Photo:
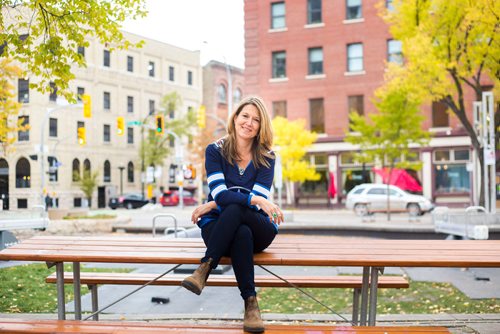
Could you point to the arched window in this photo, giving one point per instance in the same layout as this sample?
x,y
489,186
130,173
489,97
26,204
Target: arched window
x,y
53,166
23,173
237,95
76,170
130,172
221,94
4,183
107,171
86,167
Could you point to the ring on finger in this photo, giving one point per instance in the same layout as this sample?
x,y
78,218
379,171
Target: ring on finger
x,y
275,215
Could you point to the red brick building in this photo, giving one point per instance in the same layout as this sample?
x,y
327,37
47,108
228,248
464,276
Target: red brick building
x,y
319,60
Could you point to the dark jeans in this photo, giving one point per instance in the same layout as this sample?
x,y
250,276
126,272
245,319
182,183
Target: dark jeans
x,y
239,233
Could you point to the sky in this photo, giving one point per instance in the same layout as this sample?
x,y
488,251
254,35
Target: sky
x,y
215,27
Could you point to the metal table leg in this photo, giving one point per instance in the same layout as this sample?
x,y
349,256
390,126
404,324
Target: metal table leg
x,y
355,306
61,303
373,295
95,301
77,291
364,296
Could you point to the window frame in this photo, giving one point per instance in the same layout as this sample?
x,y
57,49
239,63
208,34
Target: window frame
x,y
349,10
106,58
351,58
311,65
53,127
311,12
106,102
319,128
130,64
106,133
278,64
275,18
23,90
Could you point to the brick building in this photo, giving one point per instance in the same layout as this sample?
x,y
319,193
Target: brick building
x,y
318,60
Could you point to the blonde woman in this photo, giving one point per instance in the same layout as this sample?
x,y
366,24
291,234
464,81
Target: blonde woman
x,y
239,219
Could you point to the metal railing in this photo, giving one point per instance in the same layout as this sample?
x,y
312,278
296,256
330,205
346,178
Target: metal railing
x,y
169,215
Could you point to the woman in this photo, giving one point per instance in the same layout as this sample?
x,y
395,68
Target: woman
x,y
239,220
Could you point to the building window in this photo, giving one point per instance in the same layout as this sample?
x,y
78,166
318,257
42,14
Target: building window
x,y
355,57
355,104
315,61
190,78
52,127
22,203
130,172
130,104
450,171
394,51
221,94
53,169
237,95
171,112
77,202
130,64
151,69
81,51
24,135
79,124
389,5
23,173
79,93
151,107
87,168
279,109
279,64
106,58
106,101
171,73
106,136
353,9
440,117
107,171
313,11
23,91
317,115
278,13
130,135
320,187
53,92
75,174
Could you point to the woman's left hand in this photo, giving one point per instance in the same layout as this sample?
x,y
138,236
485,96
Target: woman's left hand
x,y
201,210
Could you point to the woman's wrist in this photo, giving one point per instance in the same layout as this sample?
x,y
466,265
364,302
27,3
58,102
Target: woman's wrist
x,y
255,200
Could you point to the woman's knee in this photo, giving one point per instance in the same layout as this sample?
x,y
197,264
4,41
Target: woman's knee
x,y
243,233
234,211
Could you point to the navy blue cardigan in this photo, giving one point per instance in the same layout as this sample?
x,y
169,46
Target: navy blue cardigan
x,y
227,186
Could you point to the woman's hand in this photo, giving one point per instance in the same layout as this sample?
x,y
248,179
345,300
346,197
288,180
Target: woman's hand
x,y
201,210
273,211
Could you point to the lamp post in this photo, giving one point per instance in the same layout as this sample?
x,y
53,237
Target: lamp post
x,y
121,168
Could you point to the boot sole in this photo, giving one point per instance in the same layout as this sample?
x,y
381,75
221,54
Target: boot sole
x,y
253,329
191,287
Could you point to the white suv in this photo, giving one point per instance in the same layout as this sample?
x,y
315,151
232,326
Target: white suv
x,y
368,198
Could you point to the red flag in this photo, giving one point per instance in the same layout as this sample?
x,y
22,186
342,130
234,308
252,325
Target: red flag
x,y
332,191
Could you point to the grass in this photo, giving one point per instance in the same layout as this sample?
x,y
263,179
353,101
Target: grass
x,y
420,298
23,288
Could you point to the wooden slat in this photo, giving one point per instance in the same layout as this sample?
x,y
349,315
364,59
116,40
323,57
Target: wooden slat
x,y
91,327
229,280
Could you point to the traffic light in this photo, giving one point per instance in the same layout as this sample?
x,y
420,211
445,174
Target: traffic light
x,y
201,117
87,106
120,125
160,125
82,136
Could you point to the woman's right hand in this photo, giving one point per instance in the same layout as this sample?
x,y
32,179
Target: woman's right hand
x,y
201,210
272,210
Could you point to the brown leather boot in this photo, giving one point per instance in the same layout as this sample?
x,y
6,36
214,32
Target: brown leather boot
x,y
196,282
252,322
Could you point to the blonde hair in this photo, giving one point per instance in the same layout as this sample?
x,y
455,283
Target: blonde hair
x,y
262,143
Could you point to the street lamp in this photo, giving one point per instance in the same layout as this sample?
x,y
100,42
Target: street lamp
x,y
121,168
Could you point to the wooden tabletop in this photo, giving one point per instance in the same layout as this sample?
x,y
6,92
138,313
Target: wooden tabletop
x,y
285,250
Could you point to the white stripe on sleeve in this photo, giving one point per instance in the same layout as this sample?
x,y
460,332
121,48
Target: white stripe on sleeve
x,y
215,177
262,190
218,189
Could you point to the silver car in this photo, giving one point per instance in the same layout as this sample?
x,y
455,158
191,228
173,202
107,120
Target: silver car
x,y
368,198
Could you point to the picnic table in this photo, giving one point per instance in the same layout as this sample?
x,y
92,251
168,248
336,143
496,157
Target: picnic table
x,y
372,255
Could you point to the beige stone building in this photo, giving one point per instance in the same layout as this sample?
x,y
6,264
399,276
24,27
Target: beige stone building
x,y
128,83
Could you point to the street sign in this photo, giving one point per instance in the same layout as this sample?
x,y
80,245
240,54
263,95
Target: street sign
x,y
132,123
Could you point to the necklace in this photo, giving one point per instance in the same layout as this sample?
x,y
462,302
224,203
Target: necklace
x,y
241,171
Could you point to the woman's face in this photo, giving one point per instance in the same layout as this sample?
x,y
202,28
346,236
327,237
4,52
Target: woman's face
x,y
247,123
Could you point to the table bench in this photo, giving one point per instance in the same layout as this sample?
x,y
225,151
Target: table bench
x,y
122,327
370,254
92,279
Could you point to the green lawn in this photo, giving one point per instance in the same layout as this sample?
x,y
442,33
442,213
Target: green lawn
x,y
420,298
23,288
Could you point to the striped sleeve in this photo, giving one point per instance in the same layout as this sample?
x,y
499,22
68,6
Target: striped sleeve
x,y
216,180
263,182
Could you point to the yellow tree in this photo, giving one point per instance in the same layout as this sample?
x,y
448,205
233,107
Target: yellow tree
x,y
9,108
450,47
291,141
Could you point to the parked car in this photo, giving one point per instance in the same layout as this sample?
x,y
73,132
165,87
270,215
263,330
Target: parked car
x,y
128,201
368,198
171,198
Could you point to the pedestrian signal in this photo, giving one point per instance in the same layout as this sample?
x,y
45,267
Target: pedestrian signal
x,y
87,106
160,125
201,117
82,136
120,125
